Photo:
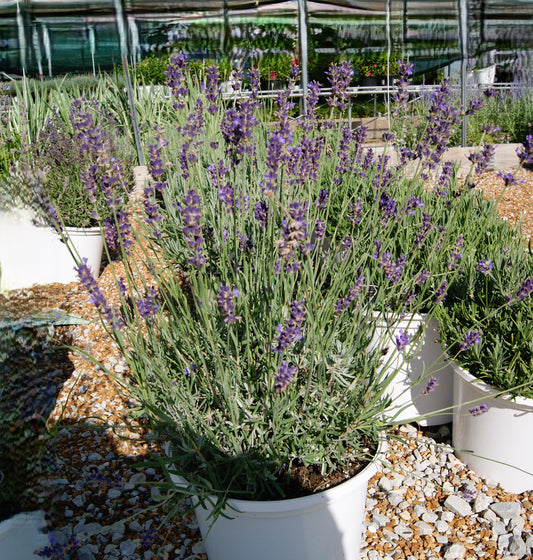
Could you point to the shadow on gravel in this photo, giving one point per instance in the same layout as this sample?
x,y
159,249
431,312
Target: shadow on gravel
x,y
33,368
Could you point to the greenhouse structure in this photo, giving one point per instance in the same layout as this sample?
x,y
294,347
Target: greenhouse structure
x,y
52,37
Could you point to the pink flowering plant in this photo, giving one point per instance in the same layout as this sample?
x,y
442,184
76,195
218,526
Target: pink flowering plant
x,y
273,249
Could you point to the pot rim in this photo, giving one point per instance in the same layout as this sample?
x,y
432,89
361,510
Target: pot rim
x,y
284,506
490,391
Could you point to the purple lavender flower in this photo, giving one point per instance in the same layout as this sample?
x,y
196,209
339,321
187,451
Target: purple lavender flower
x,y
423,275
226,301
388,137
293,330
309,120
176,79
97,297
320,229
387,206
148,306
412,204
432,385
353,293
357,208
192,228
190,370
402,340
304,159
468,494
425,228
440,294
471,338
286,374
525,152
212,88
509,179
456,255
261,213
482,159
255,84
237,127
478,410
149,538
344,162
525,289
485,266
401,95
323,195
442,119
293,232
393,268
339,76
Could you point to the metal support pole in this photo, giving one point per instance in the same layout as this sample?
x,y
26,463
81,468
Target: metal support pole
x,y
302,47
463,37
121,24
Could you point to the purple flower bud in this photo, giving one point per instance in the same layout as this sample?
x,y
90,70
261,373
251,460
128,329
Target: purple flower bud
x,y
432,385
471,338
148,306
485,266
423,275
478,410
261,213
402,340
525,289
226,301
320,229
441,293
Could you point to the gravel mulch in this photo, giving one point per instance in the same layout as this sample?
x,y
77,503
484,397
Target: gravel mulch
x,y
425,504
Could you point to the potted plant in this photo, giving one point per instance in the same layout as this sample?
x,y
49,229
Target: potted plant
x,y
249,343
275,69
373,68
58,197
487,328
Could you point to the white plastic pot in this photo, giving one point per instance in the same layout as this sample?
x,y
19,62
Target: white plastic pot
x,y
31,254
412,368
496,443
327,525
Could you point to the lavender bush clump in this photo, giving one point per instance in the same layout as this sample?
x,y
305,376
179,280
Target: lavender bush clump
x,y
267,284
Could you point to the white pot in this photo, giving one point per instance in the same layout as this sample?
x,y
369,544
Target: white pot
x,y
327,525
497,443
31,254
412,368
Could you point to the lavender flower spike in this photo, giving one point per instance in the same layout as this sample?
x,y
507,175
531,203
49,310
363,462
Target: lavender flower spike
x,y
432,385
285,376
402,340
478,410
226,301
293,330
97,297
525,289
471,338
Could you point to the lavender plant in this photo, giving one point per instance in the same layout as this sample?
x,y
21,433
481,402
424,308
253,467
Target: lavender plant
x,y
71,168
273,249
487,320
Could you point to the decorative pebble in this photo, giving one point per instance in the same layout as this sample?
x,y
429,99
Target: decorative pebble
x,y
506,510
455,551
458,505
